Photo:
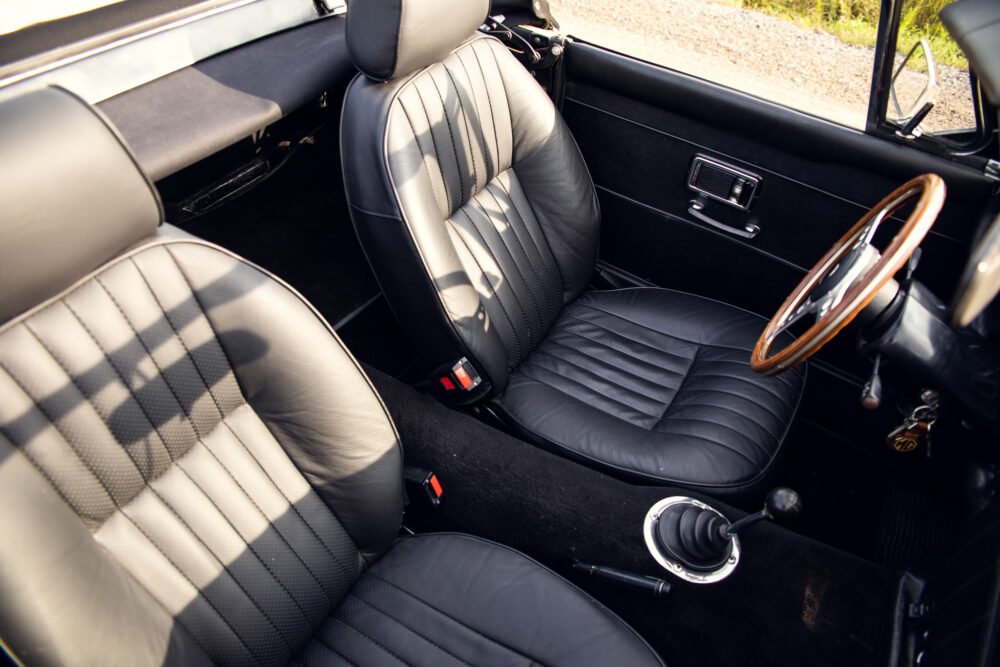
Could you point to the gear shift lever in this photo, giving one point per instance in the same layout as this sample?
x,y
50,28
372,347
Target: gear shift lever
x,y
696,542
781,504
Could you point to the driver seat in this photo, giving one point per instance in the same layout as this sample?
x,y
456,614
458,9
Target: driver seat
x,y
481,222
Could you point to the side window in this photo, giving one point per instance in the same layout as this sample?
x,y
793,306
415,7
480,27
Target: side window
x,y
921,38
813,55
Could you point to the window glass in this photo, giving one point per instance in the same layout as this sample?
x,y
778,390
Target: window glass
x,y
18,14
954,109
813,55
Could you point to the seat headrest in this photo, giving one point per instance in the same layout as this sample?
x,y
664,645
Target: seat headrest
x,y
388,39
71,196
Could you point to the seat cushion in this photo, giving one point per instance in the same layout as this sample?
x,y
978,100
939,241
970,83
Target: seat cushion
x,y
448,599
657,384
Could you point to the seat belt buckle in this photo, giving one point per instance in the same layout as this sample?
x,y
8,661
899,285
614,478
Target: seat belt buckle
x,y
461,377
426,480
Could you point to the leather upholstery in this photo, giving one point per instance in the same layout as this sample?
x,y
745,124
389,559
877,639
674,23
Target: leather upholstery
x,y
391,38
656,384
194,471
51,218
458,600
480,220
469,229
158,409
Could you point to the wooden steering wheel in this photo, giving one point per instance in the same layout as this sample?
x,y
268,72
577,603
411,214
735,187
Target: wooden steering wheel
x,y
849,276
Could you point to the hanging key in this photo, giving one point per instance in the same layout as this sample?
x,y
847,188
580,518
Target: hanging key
x,y
914,432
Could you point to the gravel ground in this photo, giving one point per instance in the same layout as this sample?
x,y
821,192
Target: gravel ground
x,y
760,54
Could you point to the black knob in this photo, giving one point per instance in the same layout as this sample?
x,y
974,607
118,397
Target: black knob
x,y
782,504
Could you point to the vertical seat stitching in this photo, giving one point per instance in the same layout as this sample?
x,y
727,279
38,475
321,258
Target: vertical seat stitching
x,y
115,502
496,297
468,128
180,339
437,153
475,201
489,98
281,491
34,462
524,224
66,439
451,136
219,461
513,227
541,253
491,171
423,153
152,490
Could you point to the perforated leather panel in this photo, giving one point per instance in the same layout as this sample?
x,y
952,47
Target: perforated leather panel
x,y
121,396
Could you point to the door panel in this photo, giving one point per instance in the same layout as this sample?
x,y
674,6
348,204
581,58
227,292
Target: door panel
x,y
639,127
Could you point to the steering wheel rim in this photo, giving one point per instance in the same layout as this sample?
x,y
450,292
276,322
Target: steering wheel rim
x,y
859,293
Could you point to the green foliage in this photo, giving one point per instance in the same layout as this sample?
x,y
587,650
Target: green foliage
x,y
856,22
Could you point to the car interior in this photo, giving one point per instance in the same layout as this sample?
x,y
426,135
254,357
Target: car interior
x,y
418,332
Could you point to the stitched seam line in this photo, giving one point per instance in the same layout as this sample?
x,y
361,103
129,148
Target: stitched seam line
x,y
517,265
744,436
762,406
437,153
180,339
450,617
562,391
115,502
626,354
156,429
620,385
489,283
686,358
407,627
451,137
489,100
468,127
370,639
200,439
281,491
319,640
545,255
737,378
491,170
482,235
423,154
218,460
686,378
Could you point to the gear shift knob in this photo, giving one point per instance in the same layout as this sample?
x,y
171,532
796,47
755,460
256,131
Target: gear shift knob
x,y
782,504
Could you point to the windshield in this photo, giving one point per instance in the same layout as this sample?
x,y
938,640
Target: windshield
x,y
17,14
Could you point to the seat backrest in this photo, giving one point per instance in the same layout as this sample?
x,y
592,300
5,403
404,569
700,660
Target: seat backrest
x,y
192,468
468,192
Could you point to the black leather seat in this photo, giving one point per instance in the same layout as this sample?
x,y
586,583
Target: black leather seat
x,y
193,470
481,222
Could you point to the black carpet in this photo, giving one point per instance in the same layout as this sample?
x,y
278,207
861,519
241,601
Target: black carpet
x,y
792,601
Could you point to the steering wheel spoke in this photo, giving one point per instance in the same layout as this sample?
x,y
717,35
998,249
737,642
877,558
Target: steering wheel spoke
x,y
849,276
